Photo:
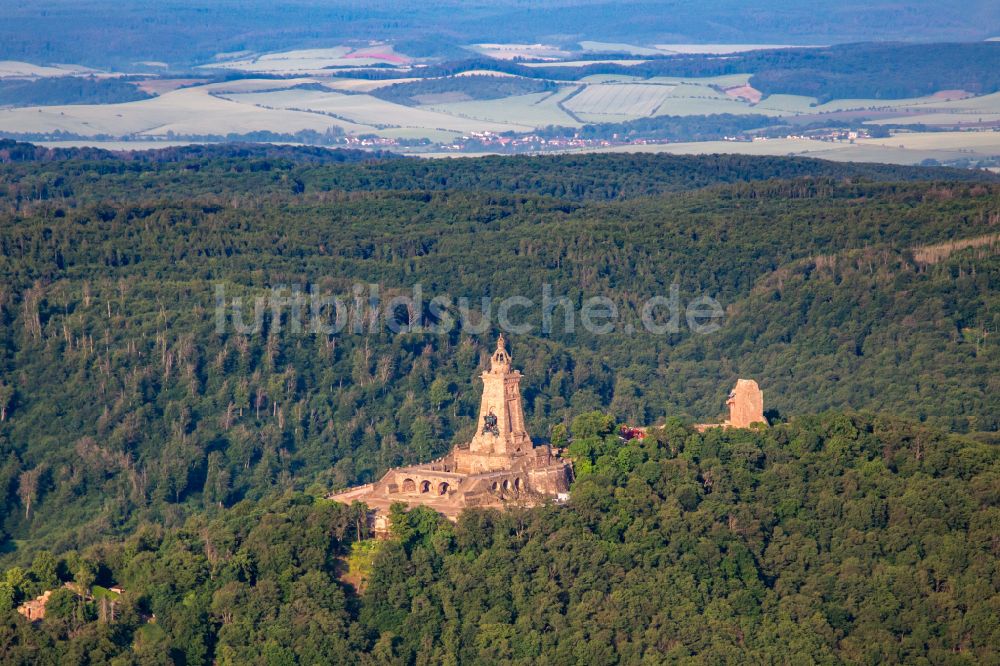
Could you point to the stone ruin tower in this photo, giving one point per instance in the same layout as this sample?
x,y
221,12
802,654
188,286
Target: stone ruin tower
x,y
746,404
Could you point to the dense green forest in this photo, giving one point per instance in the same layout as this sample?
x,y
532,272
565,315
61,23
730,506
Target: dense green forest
x,y
424,91
68,90
17,151
882,71
110,269
710,127
875,70
281,170
142,444
841,538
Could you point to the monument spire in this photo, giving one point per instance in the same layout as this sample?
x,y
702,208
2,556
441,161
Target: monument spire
x,y
499,465
500,361
501,415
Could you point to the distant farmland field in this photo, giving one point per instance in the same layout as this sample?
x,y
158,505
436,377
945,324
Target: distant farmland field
x,y
313,61
187,111
320,96
535,110
371,111
633,100
908,148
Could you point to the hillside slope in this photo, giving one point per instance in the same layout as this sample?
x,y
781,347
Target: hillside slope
x,y
123,401
189,171
839,538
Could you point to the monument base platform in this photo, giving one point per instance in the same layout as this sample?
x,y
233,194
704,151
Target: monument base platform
x,y
524,481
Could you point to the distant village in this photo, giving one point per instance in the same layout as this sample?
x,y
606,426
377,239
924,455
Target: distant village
x,y
531,142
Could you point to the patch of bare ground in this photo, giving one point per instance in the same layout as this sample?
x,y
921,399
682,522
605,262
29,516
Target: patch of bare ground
x,y
745,92
948,95
932,254
873,260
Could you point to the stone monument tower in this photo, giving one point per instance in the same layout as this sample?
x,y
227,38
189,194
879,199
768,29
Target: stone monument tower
x,y
501,417
498,467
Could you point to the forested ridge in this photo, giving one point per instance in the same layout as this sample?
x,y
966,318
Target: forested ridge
x,y
872,70
69,90
842,538
126,415
89,174
411,93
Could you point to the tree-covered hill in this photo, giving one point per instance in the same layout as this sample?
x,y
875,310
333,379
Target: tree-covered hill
x,y
840,538
428,91
69,90
89,174
194,156
822,332
122,401
872,70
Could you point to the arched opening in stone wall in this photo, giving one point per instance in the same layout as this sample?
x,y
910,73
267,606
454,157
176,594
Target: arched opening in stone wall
x,y
506,484
409,486
442,488
425,486
517,484
495,487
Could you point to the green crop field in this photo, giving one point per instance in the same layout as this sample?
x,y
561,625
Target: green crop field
x,y
371,111
619,99
184,111
986,103
904,148
535,109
